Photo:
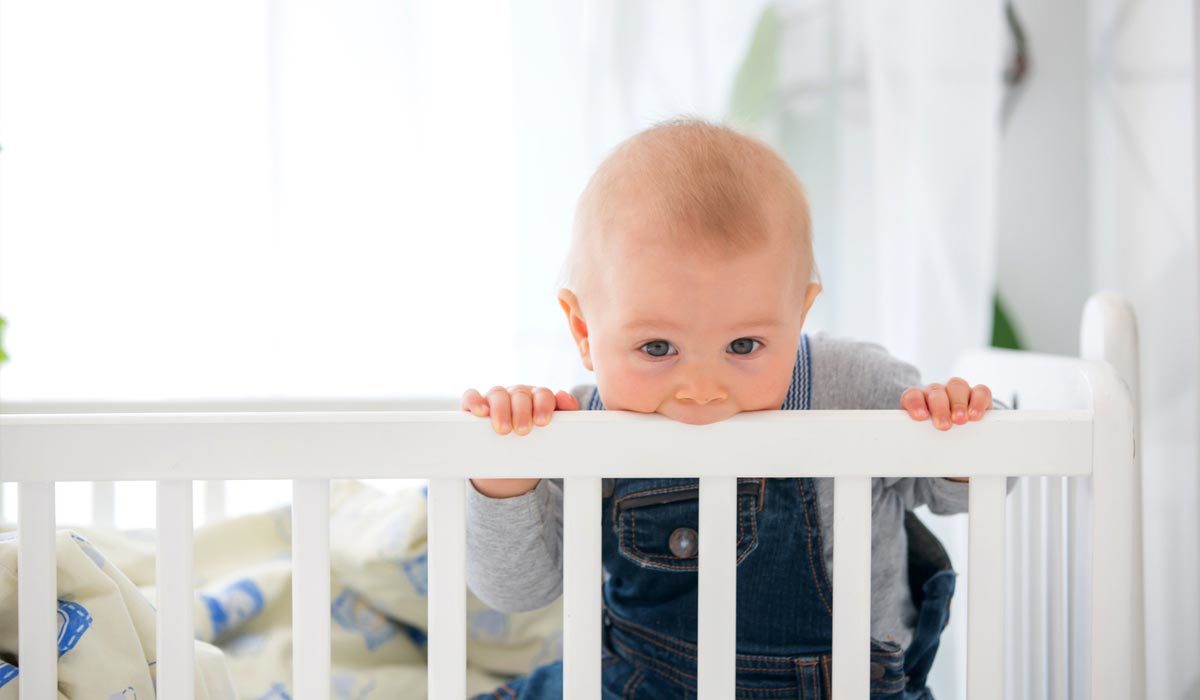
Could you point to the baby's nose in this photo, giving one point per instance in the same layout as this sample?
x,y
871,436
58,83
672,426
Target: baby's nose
x,y
700,394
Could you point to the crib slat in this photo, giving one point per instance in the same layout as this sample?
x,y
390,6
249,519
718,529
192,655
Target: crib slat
x,y
985,611
174,591
310,589
37,584
446,552
582,578
1056,659
716,629
851,587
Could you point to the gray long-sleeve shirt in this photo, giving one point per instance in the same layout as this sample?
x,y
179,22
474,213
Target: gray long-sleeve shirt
x,y
514,545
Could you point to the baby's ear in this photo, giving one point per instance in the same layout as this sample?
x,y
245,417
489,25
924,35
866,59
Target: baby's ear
x,y
576,323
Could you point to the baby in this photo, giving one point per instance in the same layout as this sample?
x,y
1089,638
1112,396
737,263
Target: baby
x,y
688,280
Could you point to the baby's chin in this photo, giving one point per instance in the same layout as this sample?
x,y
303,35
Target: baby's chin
x,y
698,416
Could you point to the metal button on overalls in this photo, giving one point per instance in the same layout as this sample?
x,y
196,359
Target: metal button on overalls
x,y
684,542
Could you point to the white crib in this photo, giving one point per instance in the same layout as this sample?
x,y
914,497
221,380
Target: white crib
x,y
1082,425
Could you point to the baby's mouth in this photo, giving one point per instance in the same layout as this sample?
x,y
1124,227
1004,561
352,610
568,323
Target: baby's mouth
x,y
701,416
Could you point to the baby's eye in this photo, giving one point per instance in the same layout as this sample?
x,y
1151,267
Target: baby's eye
x,y
744,346
658,348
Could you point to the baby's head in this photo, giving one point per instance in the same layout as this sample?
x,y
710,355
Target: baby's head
x,y
690,274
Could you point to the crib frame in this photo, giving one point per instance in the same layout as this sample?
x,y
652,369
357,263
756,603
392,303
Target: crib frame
x,y
1091,435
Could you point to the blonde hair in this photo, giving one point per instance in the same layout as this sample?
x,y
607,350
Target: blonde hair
x,y
714,189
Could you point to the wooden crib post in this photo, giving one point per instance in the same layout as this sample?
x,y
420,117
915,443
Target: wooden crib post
x,y
1117,666
985,583
582,578
310,589
852,587
716,628
37,586
447,567
174,591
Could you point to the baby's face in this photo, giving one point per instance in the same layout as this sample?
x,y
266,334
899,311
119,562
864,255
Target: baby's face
x,y
694,336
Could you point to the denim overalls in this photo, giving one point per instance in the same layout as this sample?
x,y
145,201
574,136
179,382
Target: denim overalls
x,y
784,593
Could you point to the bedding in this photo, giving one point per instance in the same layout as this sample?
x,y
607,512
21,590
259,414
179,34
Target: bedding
x,y
243,608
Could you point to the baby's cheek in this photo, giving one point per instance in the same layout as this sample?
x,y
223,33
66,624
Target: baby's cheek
x,y
627,389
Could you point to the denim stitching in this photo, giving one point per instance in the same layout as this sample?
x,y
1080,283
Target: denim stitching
x,y
631,548
625,692
811,564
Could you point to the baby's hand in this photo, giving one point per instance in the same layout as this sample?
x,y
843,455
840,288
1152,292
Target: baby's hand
x,y
521,406
957,401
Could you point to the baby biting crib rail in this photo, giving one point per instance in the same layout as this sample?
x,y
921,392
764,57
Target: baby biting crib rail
x,y
1089,434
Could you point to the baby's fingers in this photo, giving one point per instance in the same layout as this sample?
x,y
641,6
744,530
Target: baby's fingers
x,y
913,401
939,406
473,402
501,409
522,409
981,401
960,394
566,401
543,405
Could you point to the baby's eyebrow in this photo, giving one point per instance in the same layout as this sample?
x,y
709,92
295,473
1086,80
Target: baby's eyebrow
x,y
657,323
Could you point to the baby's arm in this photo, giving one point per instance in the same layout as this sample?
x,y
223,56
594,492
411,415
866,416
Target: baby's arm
x,y
514,547
516,409
514,526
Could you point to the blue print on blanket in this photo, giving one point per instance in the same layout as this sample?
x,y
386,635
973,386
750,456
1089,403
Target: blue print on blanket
x,y
416,636
417,571
7,673
237,603
91,552
488,625
128,694
277,692
73,621
354,614
347,686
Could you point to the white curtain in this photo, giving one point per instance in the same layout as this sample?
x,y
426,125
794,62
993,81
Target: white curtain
x,y
1143,243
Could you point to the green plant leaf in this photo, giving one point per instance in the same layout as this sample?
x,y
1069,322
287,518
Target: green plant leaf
x,y
757,81
1004,334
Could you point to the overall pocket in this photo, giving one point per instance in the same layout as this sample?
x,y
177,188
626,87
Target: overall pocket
x,y
658,527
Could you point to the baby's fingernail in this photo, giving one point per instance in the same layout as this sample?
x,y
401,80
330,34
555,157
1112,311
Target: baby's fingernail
x,y
539,420
921,413
974,412
505,427
958,415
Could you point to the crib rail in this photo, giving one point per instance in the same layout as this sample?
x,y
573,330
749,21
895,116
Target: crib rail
x,y
1094,438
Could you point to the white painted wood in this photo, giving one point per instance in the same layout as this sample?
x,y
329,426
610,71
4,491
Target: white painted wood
x,y
1056,583
3,515
1079,621
310,589
1117,666
37,584
447,588
851,587
104,509
582,580
602,443
985,609
1036,591
716,627
214,501
174,591
1109,334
